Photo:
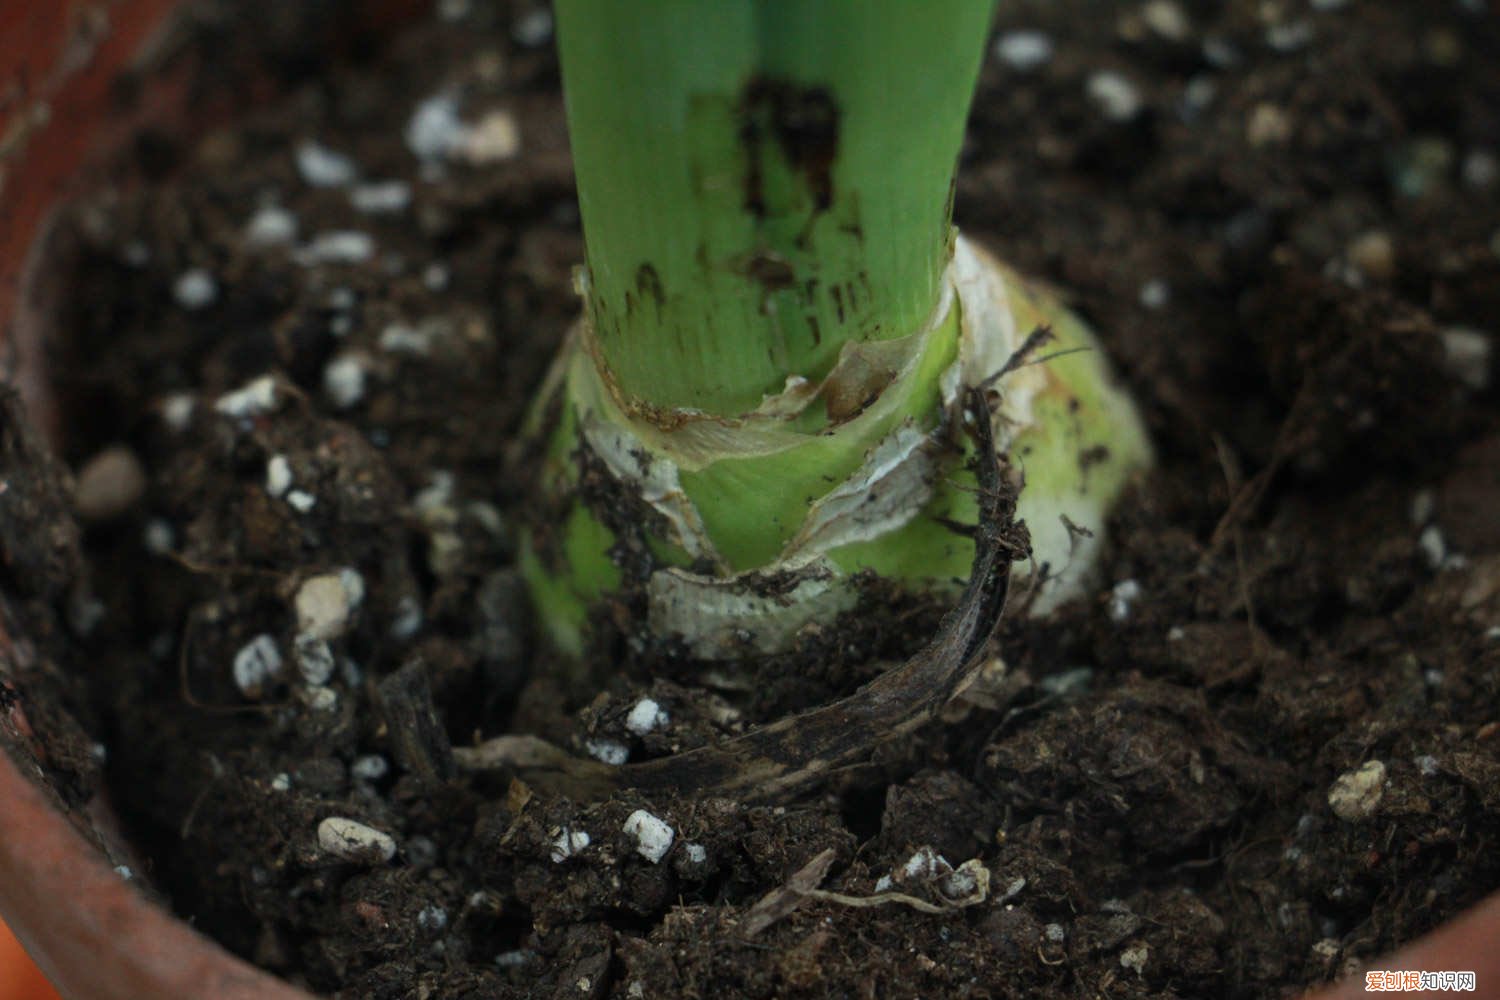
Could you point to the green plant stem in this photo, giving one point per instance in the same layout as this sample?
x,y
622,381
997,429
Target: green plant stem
x,y
761,182
760,406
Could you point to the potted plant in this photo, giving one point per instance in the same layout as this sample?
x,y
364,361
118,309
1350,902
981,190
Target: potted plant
x,y
599,386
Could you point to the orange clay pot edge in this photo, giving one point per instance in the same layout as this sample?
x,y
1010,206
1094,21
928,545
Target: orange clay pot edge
x,y
1469,942
93,933
89,930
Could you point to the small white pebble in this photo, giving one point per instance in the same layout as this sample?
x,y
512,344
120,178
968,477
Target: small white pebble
x,y
195,289
1024,50
314,658
340,246
271,226
959,884
436,277
1289,36
159,537
1220,53
488,517
322,605
253,399
301,501
611,752
323,167
884,884
342,298
1269,125
370,767
85,613
1466,355
653,838
1176,633
399,338
281,783
1055,933
925,863
1434,549
321,699
1134,958
257,662
533,29
1356,794
568,843
124,872
1423,506
380,197
432,918
514,959
1155,294
408,620
696,853
1114,95
109,484
435,130
344,380
177,411
645,716
1427,764
494,138
351,840
435,497
1067,682
1374,253
1480,169
1167,19
1197,95
1122,598
278,475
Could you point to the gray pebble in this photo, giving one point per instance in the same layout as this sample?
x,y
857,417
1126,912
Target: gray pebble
x,y
1024,50
109,484
351,840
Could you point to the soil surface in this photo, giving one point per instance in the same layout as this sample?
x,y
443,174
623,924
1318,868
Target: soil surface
x,y
296,355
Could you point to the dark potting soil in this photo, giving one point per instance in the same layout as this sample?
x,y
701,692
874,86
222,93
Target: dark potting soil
x,y
1266,749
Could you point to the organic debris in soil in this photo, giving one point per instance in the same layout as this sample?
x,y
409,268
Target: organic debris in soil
x,y
1263,750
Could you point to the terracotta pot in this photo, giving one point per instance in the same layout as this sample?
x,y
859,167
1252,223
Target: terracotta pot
x,y
1465,944
94,933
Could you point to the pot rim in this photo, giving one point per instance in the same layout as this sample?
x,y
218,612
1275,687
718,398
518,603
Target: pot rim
x,y
122,945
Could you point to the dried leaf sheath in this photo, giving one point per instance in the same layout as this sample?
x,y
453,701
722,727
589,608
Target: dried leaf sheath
x,y
792,755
